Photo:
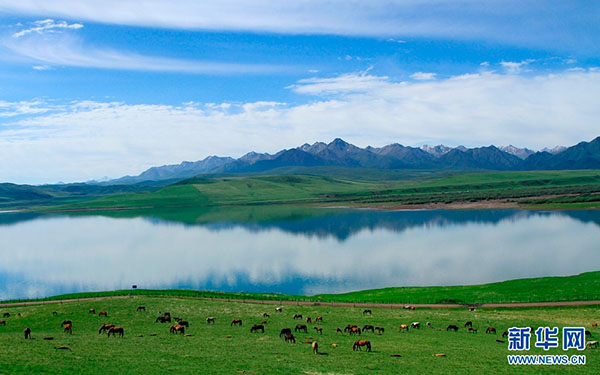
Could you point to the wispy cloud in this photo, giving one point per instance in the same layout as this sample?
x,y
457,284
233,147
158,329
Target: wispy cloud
x,y
421,76
85,139
512,67
507,21
47,26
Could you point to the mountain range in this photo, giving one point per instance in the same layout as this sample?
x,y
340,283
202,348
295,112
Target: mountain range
x,y
584,155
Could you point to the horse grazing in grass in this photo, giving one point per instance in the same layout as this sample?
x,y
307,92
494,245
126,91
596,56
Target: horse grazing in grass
x,y
257,327
6,315
27,333
301,327
210,319
403,327
266,315
290,338
367,311
163,319
368,327
319,319
116,330
92,311
297,316
315,347
338,330
472,330
176,328
592,344
469,324
2,322
68,328
285,331
308,319
278,309
103,313
380,330
141,308
594,324
452,327
490,330
105,327
319,329
236,322
415,325
588,333
358,344
355,331
349,327
184,323
65,322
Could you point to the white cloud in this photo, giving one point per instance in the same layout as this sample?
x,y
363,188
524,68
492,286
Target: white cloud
x,y
47,26
421,76
84,140
512,67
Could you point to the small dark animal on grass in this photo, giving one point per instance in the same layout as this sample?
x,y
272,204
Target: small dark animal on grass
x,y
490,330
236,322
92,311
415,325
594,324
105,327
210,319
337,330
68,328
472,330
279,309
368,327
452,327
297,316
285,331
367,311
266,315
505,334
315,347
176,328
2,322
588,333
116,331
308,319
355,331
358,344
184,323
65,322
54,313
380,330
102,313
6,315
141,308
469,324
177,319
27,333
290,338
301,327
163,319
403,327
319,319
319,329
257,327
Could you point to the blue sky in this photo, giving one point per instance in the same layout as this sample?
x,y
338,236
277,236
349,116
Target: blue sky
x,y
108,88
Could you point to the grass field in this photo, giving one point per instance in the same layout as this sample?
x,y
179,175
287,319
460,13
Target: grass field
x,y
222,349
572,189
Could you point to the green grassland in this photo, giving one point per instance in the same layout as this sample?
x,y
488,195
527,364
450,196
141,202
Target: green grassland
x,y
577,189
222,349
582,287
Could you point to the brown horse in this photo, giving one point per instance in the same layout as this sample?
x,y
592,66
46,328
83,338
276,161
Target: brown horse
x,y
176,328
92,311
236,322
290,338
472,330
116,330
469,324
65,322
452,327
2,322
315,347
6,315
266,315
358,344
141,308
380,330
257,327
319,329
355,331
308,319
368,327
301,327
297,316
367,311
27,333
103,313
403,327
349,327
105,327
68,328
319,319
490,330
285,331
594,324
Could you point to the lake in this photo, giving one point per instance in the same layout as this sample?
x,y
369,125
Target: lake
x,y
289,249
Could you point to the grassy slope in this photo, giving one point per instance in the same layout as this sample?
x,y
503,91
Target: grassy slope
x,y
221,349
585,286
441,188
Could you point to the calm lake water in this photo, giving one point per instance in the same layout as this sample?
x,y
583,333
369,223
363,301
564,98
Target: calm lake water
x,y
289,250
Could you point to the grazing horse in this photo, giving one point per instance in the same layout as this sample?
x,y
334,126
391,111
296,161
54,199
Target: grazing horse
x,y
54,313
594,324
236,322
472,330
308,319
115,331
315,347
163,319
469,324
319,329
358,344
380,330
349,327
354,330
2,322
65,322
415,325
285,331
27,333
367,311
176,328
103,313
278,309
210,319
184,323
68,328
319,319
368,327
452,327
403,327
177,319
490,330
297,316
105,327
92,311
337,330
592,344
301,327
141,308
290,338
257,327
264,322
6,315
266,315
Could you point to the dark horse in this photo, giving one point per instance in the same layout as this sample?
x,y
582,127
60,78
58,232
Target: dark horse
x,y
358,344
452,327
490,330
27,332
103,313
469,324
68,328
184,323
163,319
65,322
367,311
257,327
176,328
141,308
236,322
290,338
380,330
368,327
301,327
105,327
2,322
285,331
116,330
297,316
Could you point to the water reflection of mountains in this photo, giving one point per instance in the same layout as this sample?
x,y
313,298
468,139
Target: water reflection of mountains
x,y
338,223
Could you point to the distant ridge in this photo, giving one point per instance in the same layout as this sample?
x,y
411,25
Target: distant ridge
x,y
339,153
